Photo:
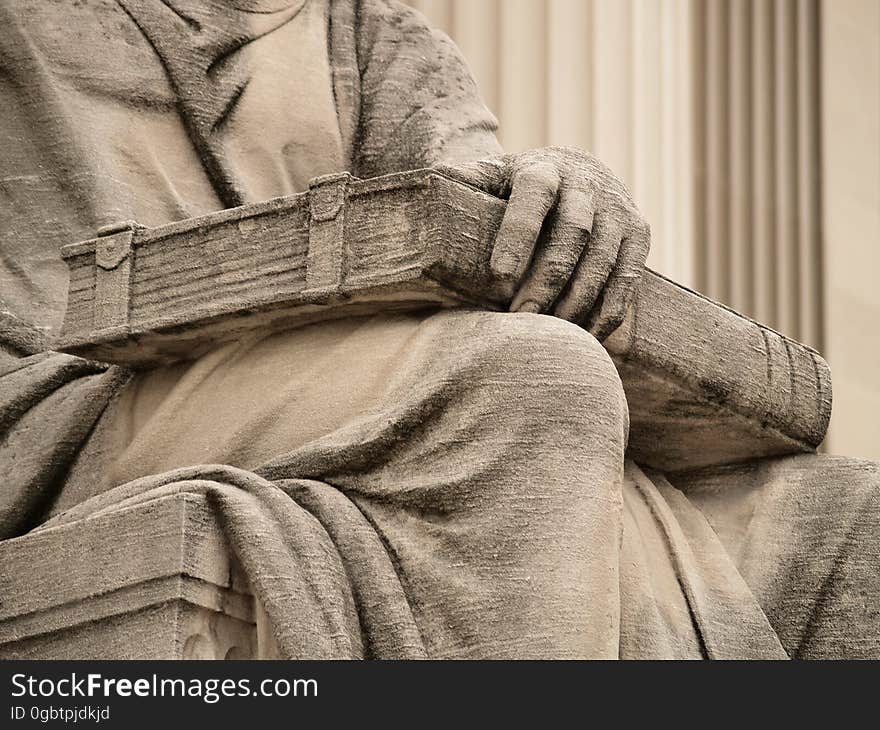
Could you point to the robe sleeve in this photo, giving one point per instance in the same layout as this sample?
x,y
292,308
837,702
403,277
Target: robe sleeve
x,y
419,103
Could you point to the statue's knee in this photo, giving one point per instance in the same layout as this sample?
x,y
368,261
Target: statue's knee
x,y
558,369
550,344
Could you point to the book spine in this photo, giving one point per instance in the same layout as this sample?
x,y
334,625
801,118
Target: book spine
x,y
727,359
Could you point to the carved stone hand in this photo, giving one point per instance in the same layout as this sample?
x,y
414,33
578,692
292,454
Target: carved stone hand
x,y
572,242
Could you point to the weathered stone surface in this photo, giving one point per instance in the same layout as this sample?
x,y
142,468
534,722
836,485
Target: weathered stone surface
x,y
150,581
18,338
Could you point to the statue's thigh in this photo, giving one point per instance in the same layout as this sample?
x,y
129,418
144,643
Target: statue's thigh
x,y
253,400
804,532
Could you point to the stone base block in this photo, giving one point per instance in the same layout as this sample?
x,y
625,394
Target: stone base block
x,y
153,581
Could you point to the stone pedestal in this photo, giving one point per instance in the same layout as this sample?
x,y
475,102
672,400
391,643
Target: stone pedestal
x,y
154,581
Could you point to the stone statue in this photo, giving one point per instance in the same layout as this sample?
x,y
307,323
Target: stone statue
x,y
423,484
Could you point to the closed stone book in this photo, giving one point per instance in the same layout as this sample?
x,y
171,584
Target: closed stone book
x,y
705,385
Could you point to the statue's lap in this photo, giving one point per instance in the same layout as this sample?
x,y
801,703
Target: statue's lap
x,y
249,401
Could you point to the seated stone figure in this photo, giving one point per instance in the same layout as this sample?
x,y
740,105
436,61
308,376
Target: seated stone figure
x,y
439,483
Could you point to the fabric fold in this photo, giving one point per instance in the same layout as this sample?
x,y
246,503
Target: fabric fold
x,y
49,404
728,619
326,584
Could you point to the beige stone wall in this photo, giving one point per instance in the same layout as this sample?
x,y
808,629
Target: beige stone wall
x,y
748,131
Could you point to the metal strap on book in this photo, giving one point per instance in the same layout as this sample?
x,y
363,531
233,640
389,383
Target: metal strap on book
x,y
113,256
326,257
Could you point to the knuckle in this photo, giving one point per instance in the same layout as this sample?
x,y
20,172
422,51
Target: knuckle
x,y
539,178
606,235
624,211
614,215
633,226
575,214
638,224
555,268
639,245
522,221
571,235
553,283
583,295
553,276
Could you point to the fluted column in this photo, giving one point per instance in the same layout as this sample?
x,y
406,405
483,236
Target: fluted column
x,y
758,155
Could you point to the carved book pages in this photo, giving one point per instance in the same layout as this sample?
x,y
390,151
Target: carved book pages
x,y
705,385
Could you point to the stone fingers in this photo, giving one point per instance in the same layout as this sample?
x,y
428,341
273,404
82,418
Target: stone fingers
x,y
533,193
620,290
559,248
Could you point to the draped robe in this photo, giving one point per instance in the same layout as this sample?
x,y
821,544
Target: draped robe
x,y
440,484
